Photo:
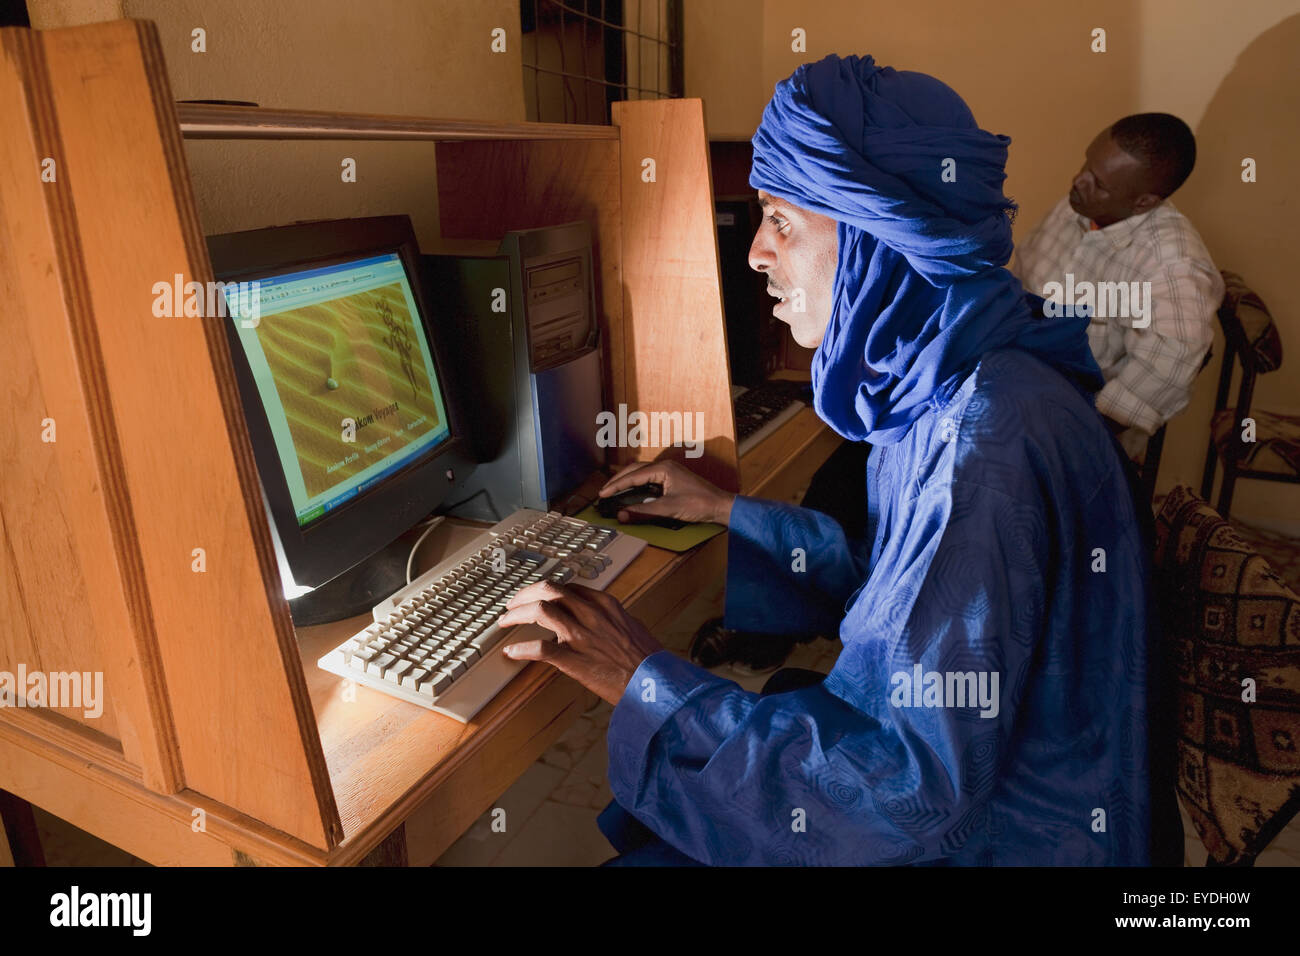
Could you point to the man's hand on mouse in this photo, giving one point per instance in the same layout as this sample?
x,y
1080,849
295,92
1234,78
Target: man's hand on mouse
x,y
597,643
686,497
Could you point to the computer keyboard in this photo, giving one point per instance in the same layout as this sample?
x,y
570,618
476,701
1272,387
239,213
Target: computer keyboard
x,y
436,642
763,409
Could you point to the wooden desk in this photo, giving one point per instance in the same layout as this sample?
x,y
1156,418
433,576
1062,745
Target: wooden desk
x,y
389,761
220,741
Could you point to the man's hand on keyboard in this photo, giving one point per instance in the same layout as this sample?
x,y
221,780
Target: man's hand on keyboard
x,y
597,643
686,497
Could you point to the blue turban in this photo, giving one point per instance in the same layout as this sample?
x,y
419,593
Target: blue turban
x,y
920,291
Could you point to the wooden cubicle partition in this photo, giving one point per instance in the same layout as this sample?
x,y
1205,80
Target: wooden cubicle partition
x,y
134,541
675,334
659,285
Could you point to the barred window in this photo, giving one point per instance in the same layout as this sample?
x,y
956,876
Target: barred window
x,y
579,56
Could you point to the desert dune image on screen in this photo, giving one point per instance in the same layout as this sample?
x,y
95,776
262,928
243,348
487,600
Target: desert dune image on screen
x,y
353,357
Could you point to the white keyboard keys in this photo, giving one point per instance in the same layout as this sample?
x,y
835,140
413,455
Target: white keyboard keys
x,y
436,641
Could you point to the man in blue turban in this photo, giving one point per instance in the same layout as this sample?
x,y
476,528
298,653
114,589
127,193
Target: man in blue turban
x,y
990,704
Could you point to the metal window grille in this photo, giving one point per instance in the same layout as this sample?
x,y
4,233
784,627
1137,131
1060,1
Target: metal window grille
x,y
579,56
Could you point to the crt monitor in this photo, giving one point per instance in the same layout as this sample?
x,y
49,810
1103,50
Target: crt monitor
x,y
346,394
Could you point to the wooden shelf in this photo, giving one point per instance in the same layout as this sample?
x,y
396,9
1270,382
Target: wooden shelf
x,y
219,121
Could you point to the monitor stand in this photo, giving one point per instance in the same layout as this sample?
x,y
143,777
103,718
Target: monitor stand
x,y
355,591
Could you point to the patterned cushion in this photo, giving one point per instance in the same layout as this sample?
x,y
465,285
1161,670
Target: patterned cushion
x,y
1248,324
1276,447
1229,618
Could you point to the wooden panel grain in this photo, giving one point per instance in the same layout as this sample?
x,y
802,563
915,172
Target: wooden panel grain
x,y
486,189
233,679
219,121
674,340
180,829
67,526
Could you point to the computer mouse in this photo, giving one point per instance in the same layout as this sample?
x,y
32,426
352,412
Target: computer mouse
x,y
628,499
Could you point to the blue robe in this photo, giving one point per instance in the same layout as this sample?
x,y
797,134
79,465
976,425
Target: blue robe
x,y
1002,540
1002,551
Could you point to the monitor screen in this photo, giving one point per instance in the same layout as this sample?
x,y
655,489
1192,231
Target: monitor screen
x,y
351,401
344,370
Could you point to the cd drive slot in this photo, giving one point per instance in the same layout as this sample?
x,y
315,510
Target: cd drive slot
x,y
569,318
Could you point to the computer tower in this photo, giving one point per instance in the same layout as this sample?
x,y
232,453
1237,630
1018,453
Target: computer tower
x,y
522,319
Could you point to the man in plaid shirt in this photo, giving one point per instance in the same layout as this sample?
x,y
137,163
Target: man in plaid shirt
x,y
1117,226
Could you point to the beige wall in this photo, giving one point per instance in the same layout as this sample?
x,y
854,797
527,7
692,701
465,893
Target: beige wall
x,y
1023,66
724,65
1026,70
420,57
1230,71
48,14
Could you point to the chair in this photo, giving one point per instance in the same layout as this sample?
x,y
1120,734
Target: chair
x,y
1150,468
1252,339
1227,619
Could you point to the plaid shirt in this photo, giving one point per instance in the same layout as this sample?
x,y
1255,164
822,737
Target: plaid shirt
x,y
1149,371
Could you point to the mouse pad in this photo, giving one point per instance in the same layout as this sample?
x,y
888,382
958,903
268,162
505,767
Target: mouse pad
x,y
683,539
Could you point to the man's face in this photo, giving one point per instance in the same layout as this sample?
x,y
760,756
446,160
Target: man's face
x,y
1112,185
797,251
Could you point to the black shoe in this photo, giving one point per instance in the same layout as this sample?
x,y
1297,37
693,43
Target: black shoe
x,y
746,652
